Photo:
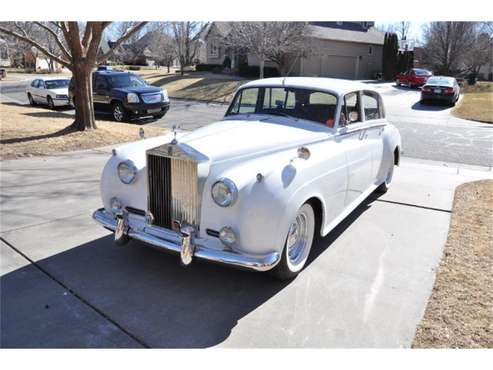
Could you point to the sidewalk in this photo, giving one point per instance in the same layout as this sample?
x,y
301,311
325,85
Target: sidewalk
x,y
366,286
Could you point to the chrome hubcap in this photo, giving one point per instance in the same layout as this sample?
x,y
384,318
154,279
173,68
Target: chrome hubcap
x,y
297,240
117,113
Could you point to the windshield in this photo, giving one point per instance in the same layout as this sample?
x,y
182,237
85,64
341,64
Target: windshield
x,y
126,80
56,84
301,103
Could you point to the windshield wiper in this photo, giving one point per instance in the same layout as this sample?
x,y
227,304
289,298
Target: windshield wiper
x,y
278,113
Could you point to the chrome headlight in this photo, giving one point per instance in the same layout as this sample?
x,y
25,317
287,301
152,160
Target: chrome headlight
x,y
132,98
164,93
127,171
224,192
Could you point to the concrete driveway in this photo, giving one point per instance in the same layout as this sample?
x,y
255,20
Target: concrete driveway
x,y
65,284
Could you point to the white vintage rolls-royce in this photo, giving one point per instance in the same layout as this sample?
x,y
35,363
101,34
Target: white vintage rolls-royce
x,y
290,160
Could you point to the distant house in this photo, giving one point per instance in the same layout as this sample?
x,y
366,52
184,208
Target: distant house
x,y
148,50
4,54
351,50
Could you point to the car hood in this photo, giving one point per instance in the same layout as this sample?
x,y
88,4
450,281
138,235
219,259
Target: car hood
x,y
139,90
229,139
60,91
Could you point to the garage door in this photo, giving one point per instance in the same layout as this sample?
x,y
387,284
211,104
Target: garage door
x,y
330,66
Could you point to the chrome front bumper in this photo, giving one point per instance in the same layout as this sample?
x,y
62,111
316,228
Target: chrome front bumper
x,y
186,247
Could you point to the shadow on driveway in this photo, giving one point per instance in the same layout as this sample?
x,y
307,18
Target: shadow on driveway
x,y
430,106
145,291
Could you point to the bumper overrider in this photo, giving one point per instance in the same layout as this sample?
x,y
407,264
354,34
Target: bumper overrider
x,y
182,243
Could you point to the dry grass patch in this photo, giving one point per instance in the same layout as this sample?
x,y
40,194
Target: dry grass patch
x,y
28,131
460,309
196,85
477,103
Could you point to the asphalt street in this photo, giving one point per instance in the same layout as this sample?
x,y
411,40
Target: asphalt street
x,y
428,131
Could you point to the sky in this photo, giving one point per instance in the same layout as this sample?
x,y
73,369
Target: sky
x,y
415,31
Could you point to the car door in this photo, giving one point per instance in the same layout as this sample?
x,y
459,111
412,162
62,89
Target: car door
x,y
35,91
375,122
353,139
41,92
101,92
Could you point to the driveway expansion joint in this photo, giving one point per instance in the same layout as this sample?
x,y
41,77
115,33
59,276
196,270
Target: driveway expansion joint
x,y
76,295
414,205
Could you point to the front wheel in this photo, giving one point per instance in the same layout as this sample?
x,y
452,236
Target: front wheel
x,y
119,112
298,244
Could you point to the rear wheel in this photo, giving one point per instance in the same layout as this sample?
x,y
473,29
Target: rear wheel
x,y
119,112
49,100
31,100
298,244
384,186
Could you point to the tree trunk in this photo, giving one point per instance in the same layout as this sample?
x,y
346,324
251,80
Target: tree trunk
x,y
168,67
84,107
262,62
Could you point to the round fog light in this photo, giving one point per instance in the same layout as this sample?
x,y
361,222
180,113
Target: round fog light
x,y
115,206
227,236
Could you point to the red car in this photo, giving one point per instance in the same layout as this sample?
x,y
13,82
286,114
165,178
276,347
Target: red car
x,y
413,78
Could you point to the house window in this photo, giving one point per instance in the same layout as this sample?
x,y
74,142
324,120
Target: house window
x,y
370,50
213,49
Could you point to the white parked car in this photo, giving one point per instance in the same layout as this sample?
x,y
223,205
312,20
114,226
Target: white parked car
x,y
290,160
50,91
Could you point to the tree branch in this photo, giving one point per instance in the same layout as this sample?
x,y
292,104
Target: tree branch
x,y
37,46
122,39
57,39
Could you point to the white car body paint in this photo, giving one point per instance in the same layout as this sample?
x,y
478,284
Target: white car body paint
x,y
346,164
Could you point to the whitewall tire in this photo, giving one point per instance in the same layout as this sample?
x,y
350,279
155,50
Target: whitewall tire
x,y
298,244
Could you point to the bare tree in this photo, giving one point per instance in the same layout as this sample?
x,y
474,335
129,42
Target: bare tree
x,y
185,35
447,44
402,29
79,52
288,43
480,52
278,42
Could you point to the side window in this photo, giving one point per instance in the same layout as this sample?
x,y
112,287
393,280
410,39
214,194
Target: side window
x,y
371,106
245,102
101,83
34,83
350,112
41,84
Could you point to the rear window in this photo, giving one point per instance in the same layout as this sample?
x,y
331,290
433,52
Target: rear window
x,y
422,72
440,81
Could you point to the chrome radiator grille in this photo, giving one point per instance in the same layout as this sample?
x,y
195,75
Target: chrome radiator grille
x,y
173,190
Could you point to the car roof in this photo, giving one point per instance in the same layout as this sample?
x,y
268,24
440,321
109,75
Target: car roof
x,y
111,72
52,78
333,85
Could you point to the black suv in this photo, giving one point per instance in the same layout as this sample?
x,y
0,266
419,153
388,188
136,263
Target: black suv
x,y
126,95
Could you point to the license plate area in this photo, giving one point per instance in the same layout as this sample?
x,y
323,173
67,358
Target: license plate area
x,y
437,91
155,110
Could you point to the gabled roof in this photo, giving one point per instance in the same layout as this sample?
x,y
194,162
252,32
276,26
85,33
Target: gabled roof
x,y
371,36
223,28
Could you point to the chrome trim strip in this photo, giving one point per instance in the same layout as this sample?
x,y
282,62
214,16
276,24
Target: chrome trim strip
x,y
262,263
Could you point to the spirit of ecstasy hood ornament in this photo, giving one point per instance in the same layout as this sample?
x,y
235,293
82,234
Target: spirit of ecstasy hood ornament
x,y
174,141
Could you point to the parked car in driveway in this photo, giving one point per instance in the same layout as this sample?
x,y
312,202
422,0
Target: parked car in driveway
x,y
291,158
441,88
50,91
126,95
413,78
